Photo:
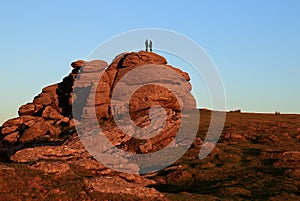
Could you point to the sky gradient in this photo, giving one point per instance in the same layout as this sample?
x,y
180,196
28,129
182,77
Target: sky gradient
x,y
254,44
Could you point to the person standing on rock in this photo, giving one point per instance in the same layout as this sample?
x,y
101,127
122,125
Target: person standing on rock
x,y
150,45
146,45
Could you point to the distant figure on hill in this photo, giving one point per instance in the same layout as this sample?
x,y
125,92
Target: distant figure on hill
x,y
146,45
150,45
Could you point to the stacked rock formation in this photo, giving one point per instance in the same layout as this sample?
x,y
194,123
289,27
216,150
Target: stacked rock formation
x,y
139,92
46,117
44,134
48,120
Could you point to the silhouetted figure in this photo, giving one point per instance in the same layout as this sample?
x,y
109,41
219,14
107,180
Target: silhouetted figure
x,y
146,45
150,45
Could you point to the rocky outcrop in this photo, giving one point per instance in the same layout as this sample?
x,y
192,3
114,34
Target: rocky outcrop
x,y
121,186
112,93
46,117
50,115
44,134
49,118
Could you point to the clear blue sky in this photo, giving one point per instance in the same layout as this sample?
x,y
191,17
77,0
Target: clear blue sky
x,y
254,44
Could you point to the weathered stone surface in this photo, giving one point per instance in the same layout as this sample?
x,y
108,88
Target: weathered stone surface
x,y
18,121
141,58
158,91
234,137
182,73
149,95
88,77
50,113
77,64
43,99
47,152
52,88
120,186
12,137
8,130
101,111
93,66
95,99
27,109
89,164
105,80
32,121
64,120
146,147
54,167
37,130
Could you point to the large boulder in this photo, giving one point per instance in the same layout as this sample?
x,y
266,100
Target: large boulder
x,y
149,90
37,130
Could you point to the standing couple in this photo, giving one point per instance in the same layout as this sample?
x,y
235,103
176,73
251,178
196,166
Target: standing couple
x,y
148,44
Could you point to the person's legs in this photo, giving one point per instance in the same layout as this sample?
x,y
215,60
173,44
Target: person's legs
x,y
150,45
146,45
